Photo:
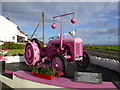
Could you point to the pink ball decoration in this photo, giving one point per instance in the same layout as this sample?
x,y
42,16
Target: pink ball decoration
x,y
53,25
73,20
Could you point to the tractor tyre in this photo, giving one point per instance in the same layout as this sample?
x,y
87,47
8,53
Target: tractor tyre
x,y
85,62
37,42
59,63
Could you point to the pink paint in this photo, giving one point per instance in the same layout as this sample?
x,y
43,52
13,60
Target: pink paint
x,y
9,71
3,59
61,36
28,54
53,25
72,40
70,48
67,57
73,20
61,25
63,82
63,15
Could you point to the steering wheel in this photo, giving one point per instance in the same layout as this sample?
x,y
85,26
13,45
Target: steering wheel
x,y
54,37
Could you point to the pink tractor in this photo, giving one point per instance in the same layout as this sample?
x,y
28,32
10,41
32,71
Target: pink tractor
x,y
57,52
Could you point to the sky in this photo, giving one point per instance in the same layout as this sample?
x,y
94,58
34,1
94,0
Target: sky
x,y
91,19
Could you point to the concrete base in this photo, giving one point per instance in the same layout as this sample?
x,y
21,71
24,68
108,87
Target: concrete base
x,y
14,59
17,82
7,81
22,83
23,79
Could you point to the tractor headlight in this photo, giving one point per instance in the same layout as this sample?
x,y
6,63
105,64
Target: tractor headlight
x,y
44,46
79,58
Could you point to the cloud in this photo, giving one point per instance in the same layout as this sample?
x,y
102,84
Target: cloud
x,y
118,31
65,35
96,34
118,17
85,12
60,0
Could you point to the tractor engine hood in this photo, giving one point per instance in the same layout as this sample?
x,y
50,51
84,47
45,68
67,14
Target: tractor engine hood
x,y
66,40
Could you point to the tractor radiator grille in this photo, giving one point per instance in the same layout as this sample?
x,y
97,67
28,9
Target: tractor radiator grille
x,y
77,48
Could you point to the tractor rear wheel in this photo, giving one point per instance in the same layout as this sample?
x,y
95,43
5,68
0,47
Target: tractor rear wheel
x,y
37,42
59,63
85,62
32,52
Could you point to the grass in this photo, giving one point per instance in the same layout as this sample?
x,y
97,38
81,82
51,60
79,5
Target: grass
x,y
103,47
15,51
96,47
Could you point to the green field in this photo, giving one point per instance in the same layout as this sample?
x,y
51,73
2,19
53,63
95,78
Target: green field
x,y
112,48
94,47
15,51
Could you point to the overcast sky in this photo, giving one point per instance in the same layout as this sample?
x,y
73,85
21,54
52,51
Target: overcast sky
x,y
90,16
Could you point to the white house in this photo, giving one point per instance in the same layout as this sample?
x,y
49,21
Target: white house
x,y
10,32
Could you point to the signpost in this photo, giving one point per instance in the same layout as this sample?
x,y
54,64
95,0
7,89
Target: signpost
x,y
88,77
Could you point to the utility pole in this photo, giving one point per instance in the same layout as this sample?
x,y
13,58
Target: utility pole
x,y
41,20
108,34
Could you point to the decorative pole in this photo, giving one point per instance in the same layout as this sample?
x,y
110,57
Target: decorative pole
x,y
61,36
61,25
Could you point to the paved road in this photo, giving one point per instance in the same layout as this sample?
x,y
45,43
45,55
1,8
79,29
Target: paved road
x,y
104,54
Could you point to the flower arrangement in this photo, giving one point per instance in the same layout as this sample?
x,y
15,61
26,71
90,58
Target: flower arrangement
x,y
4,51
46,70
1,53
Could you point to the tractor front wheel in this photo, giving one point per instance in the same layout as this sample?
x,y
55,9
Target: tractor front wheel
x,y
59,63
85,62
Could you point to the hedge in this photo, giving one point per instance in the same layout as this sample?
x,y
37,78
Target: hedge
x,y
12,45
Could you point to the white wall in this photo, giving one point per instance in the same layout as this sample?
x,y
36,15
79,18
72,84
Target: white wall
x,y
26,38
1,43
8,30
14,59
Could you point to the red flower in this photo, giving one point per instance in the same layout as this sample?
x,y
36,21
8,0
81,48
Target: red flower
x,y
59,72
53,68
5,49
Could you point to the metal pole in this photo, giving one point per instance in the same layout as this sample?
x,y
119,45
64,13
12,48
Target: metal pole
x,y
63,15
108,37
109,43
61,25
61,36
36,28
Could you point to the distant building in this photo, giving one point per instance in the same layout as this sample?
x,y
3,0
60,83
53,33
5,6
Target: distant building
x,y
10,32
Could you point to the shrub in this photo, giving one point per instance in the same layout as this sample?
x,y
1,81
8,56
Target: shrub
x,y
12,45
